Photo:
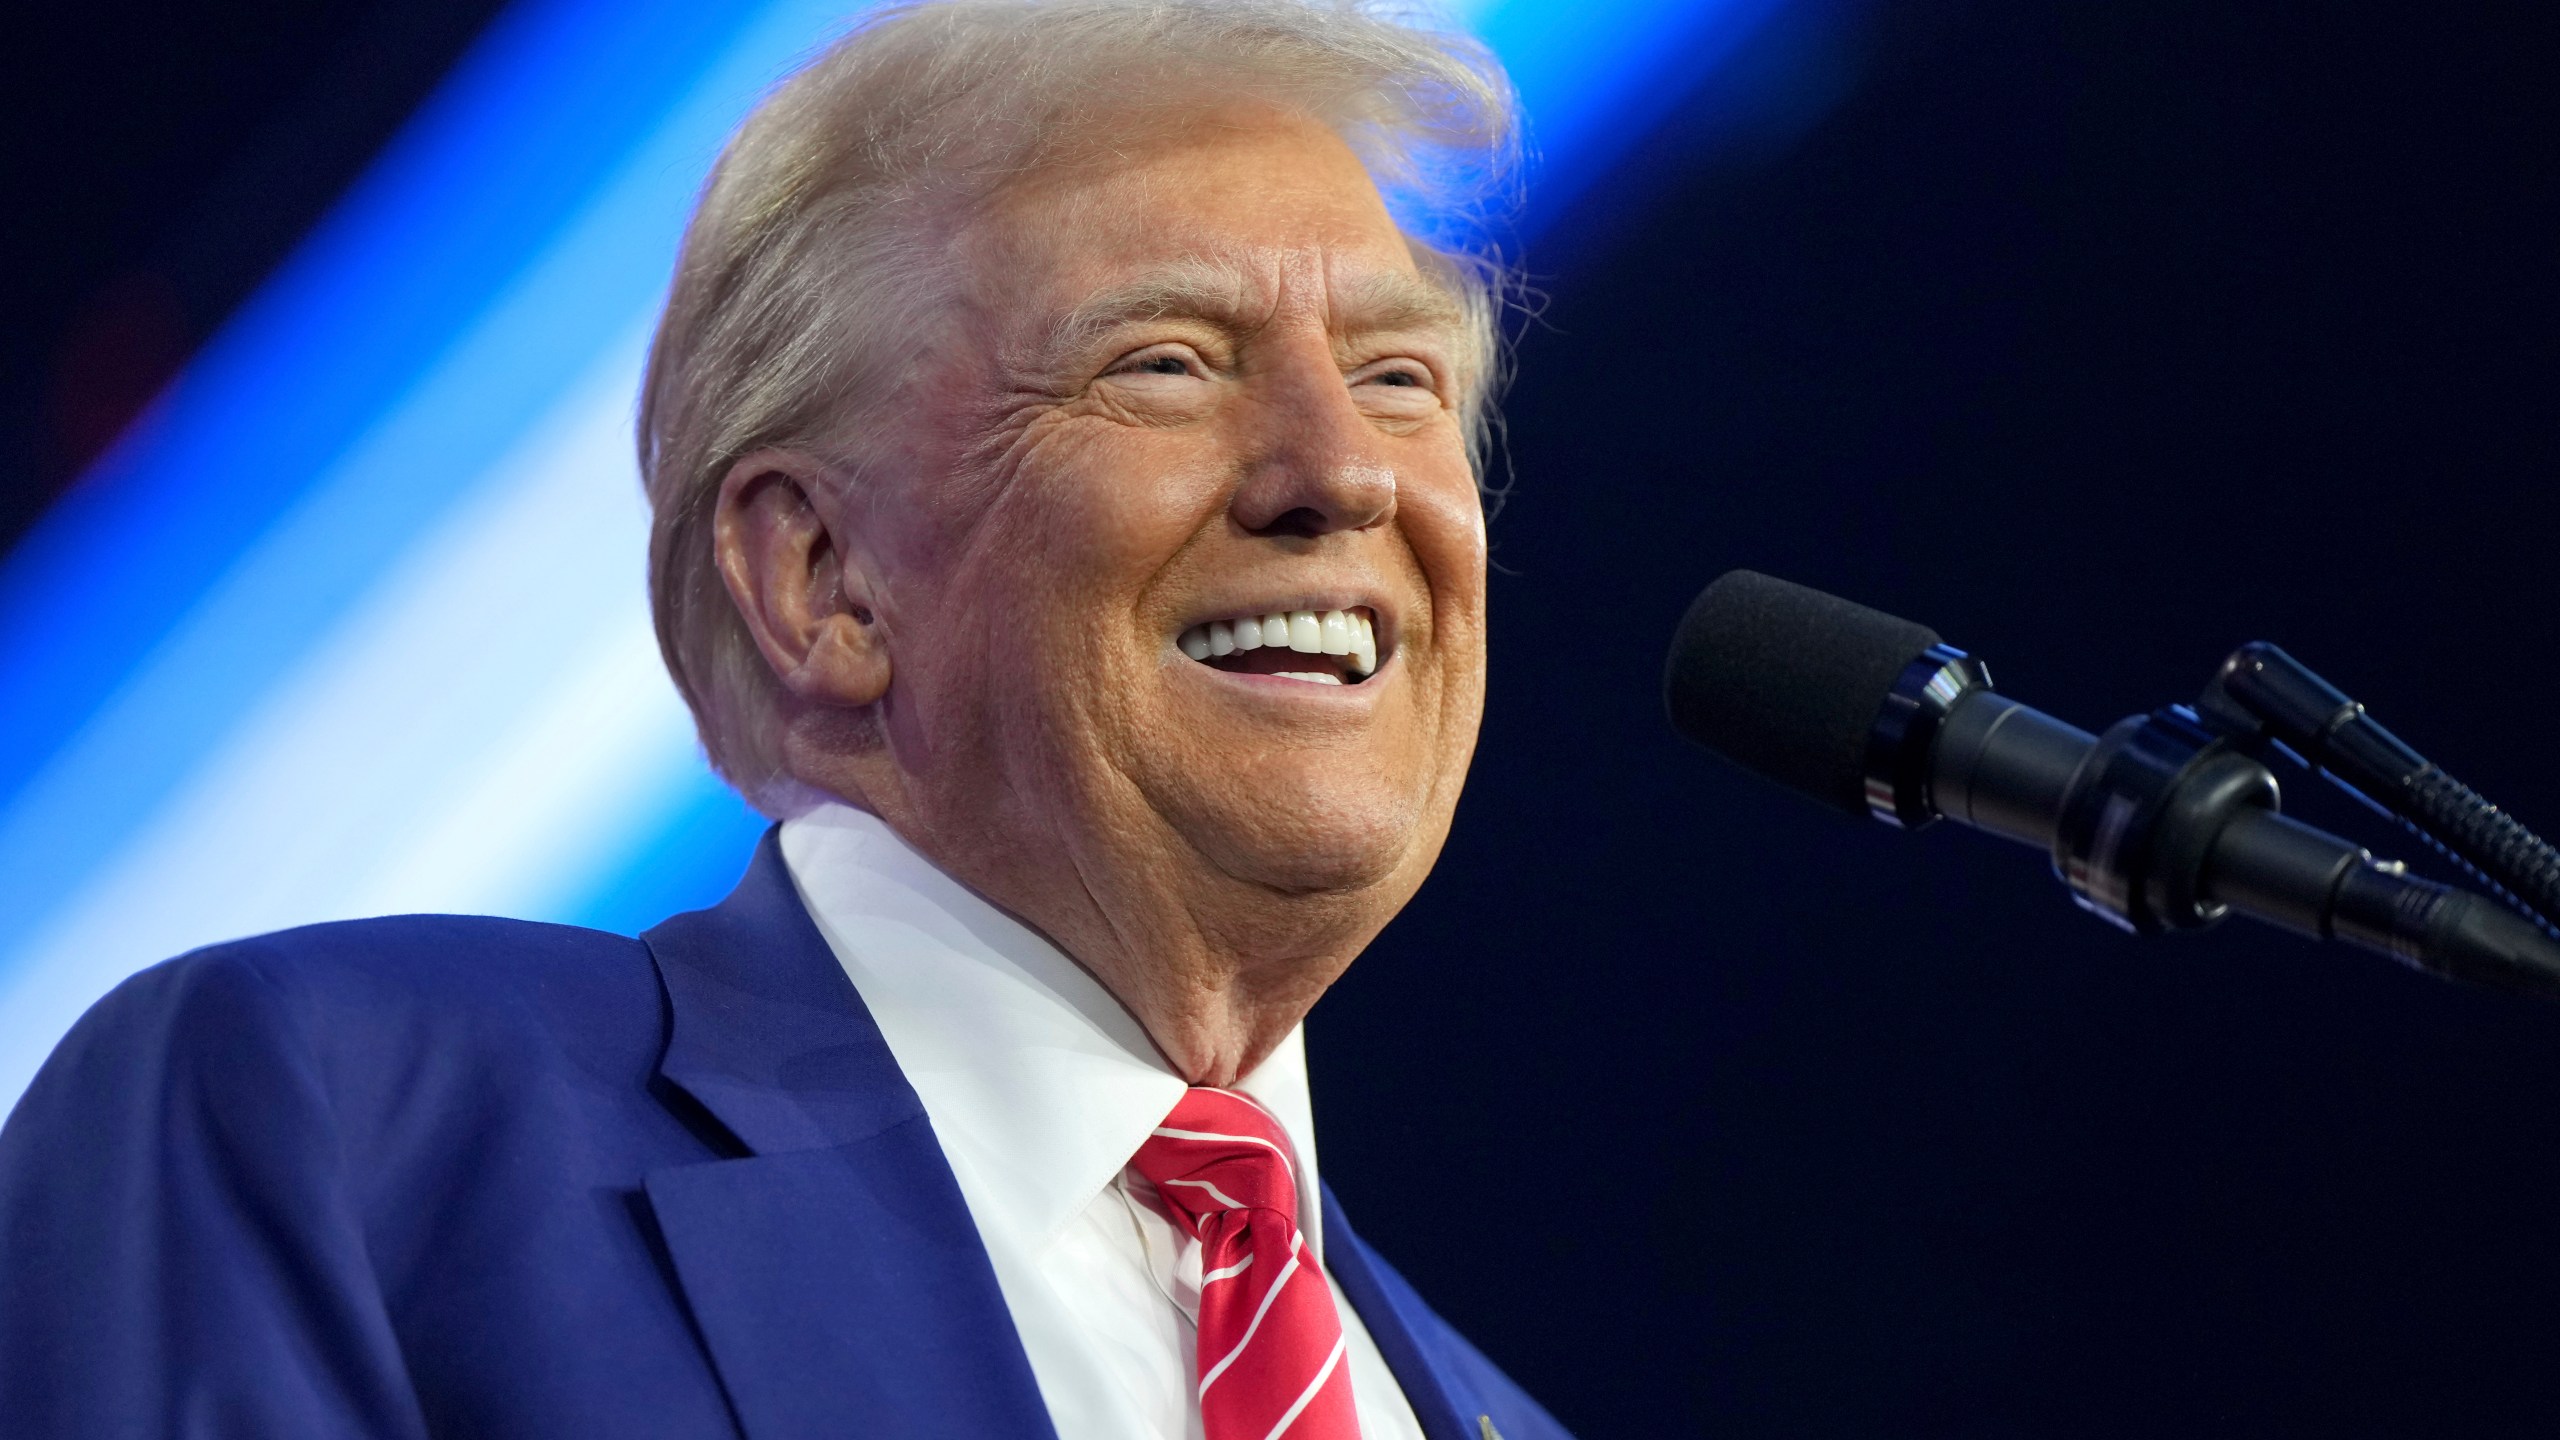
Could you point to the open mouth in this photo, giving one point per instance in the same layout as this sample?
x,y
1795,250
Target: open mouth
x,y
1318,647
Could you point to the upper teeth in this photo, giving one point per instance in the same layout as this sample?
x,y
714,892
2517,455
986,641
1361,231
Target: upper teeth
x,y
1347,633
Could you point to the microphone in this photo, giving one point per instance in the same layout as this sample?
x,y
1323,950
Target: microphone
x,y
2157,824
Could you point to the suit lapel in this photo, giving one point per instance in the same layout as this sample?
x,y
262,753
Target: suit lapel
x,y
834,1270
1441,1397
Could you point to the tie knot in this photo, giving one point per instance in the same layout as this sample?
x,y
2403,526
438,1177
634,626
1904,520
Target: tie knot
x,y
1271,1345
1217,1152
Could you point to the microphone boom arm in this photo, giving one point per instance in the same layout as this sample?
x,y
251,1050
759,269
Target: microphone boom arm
x,y
2161,824
2263,694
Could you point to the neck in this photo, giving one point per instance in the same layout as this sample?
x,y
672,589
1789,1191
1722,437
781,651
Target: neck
x,y
1217,970
1214,1009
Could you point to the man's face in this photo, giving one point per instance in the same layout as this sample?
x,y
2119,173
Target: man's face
x,y
1199,383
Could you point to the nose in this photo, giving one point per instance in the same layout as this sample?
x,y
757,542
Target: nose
x,y
1313,465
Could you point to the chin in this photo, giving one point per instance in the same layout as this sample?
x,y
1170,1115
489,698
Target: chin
x,y
1319,843
1308,871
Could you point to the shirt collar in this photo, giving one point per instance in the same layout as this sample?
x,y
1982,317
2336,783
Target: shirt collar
x,y
1039,1084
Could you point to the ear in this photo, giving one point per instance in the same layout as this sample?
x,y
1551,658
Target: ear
x,y
806,602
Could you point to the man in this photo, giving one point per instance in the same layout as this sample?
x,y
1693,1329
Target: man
x,y
1066,522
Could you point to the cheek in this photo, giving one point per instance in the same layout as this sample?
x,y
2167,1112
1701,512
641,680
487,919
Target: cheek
x,y
1105,511
1442,518
1045,604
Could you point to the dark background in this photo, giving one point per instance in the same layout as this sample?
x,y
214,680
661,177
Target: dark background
x,y
158,159
2099,337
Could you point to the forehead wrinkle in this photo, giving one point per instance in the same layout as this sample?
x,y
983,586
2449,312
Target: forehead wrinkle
x,y
1226,294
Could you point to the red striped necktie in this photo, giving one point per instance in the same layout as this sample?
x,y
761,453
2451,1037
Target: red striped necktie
x,y
1271,1359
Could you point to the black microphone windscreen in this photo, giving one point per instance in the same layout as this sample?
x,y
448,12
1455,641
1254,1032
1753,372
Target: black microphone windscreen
x,y
1787,682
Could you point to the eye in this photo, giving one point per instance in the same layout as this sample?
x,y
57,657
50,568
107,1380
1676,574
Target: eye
x,y
1172,360
1396,375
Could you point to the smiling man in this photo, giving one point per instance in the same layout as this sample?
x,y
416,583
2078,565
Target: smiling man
x,y
1067,526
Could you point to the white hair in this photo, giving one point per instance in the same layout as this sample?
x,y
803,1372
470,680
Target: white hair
x,y
811,262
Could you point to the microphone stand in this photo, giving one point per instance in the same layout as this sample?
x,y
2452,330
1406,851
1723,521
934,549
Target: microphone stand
x,y
2169,822
2266,698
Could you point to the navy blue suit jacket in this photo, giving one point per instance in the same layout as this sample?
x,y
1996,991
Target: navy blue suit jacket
x,y
449,1176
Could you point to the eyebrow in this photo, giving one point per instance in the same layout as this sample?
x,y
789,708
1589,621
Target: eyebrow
x,y
1224,295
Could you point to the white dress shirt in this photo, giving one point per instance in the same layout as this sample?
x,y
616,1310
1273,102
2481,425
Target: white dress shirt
x,y
1041,1087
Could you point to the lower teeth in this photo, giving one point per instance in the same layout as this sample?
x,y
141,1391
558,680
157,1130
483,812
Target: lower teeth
x,y
1315,677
